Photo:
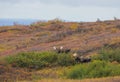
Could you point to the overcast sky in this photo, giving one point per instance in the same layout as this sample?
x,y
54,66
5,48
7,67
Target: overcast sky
x,y
72,10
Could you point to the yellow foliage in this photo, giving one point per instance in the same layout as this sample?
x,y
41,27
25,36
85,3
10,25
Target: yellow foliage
x,y
115,40
2,48
74,26
114,30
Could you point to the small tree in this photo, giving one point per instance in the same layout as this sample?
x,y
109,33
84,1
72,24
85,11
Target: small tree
x,y
98,20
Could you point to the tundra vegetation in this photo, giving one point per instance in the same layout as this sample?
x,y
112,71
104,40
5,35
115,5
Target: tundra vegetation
x,y
104,64
88,50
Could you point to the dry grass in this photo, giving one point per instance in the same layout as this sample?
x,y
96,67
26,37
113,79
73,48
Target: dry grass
x,y
108,79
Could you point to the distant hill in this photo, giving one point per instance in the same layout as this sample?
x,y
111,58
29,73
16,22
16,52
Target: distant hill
x,y
86,37
9,22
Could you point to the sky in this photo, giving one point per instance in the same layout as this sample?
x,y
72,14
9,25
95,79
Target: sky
x,y
70,10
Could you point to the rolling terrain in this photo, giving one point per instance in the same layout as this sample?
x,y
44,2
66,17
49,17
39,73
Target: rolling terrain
x,y
26,51
41,36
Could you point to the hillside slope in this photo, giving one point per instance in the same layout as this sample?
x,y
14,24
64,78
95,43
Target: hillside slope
x,y
41,36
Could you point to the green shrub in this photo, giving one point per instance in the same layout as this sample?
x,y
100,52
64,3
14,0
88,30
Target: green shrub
x,y
40,59
94,69
109,55
33,59
65,60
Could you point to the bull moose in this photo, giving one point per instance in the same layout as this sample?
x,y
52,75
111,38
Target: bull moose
x,y
61,49
78,58
81,59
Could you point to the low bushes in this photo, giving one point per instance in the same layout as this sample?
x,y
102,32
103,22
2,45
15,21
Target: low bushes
x,y
100,66
40,59
94,69
118,26
109,55
65,60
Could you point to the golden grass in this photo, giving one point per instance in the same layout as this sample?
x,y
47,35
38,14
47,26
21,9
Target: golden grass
x,y
2,48
107,79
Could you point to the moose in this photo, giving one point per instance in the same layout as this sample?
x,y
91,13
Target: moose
x,y
61,49
78,55
81,59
